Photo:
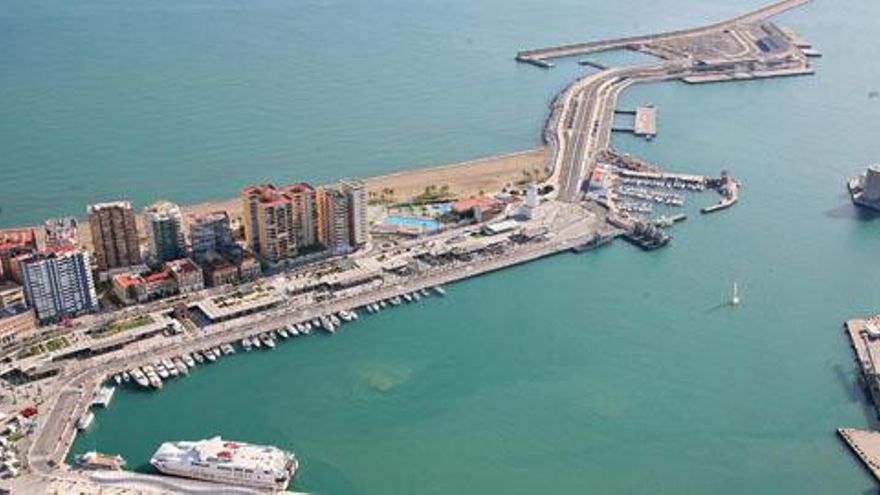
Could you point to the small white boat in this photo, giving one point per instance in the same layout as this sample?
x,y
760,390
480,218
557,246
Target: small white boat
x,y
334,320
117,378
383,304
103,396
161,371
316,322
424,292
369,308
306,329
228,349
282,332
189,360
85,420
395,301
440,290
126,376
416,296
181,367
326,324
155,380
246,344
407,298
210,356
139,377
198,357
268,341
256,342
734,300
345,315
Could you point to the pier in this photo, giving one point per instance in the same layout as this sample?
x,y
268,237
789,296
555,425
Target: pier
x,y
864,338
644,121
592,63
865,445
637,42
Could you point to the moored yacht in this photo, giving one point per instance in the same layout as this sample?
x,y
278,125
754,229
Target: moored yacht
x,y
85,420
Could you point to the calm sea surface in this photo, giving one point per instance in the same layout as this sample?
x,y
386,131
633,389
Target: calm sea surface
x,y
615,371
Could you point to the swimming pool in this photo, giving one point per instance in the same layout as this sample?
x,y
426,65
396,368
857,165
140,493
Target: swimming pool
x,y
412,222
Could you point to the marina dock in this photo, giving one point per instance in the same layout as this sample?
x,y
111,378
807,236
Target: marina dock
x,y
646,121
865,445
864,338
592,63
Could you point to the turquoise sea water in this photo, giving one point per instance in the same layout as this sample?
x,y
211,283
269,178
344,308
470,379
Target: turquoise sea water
x,y
615,371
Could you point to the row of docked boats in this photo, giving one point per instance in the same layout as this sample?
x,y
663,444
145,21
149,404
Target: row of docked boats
x,y
408,297
153,375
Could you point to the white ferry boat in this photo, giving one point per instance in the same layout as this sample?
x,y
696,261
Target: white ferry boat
x,y
224,461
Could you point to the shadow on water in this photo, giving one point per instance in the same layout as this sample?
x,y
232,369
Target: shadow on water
x,y
719,307
851,382
851,212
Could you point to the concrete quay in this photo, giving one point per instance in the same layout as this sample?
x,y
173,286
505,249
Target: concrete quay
x,y
865,445
646,121
635,42
864,338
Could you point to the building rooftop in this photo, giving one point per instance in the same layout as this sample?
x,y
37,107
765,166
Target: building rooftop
x,y
110,204
183,265
158,276
209,217
162,210
127,279
266,193
299,187
17,238
468,204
